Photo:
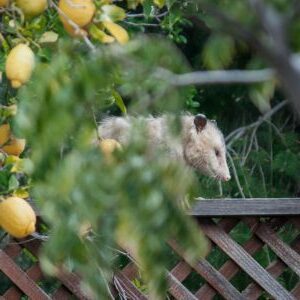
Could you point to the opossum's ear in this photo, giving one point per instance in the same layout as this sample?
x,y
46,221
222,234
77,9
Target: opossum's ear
x,y
200,122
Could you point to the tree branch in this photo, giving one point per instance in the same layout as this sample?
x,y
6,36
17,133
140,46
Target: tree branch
x,y
239,132
222,77
278,56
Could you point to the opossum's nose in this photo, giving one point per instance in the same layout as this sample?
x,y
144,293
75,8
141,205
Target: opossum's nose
x,y
227,178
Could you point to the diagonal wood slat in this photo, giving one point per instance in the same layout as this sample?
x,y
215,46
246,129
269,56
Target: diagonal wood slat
x,y
244,260
282,250
230,268
211,275
20,278
276,268
217,218
178,290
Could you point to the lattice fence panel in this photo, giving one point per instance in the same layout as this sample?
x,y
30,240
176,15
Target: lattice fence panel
x,y
264,235
233,258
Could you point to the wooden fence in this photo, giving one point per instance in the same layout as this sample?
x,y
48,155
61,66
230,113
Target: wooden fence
x,y
266,221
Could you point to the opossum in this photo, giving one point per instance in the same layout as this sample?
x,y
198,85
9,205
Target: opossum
x,y
201,144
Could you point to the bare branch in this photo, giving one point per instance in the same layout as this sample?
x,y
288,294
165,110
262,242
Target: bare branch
x,y
273,24
236,177
141,24
278,56
223,77
239,132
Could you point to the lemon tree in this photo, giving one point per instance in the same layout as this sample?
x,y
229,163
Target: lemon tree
x,y
65,64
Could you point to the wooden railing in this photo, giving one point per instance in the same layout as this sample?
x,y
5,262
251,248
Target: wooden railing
x,y
265,220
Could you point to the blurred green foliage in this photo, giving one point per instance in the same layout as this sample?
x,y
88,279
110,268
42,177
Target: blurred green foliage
x,y
136,197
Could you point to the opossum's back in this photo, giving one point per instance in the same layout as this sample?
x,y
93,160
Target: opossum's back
x,y
117,128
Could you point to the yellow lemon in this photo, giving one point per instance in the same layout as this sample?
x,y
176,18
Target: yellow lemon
x,y
19,65
80,12
3,3
117,31
15,147
32,8
73,32
17,217
108,146
4,133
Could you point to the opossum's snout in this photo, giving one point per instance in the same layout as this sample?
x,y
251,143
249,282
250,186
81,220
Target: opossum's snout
x,y
206,150
226,177
222,172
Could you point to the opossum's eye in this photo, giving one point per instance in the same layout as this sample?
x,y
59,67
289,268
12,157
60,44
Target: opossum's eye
x,y
217,152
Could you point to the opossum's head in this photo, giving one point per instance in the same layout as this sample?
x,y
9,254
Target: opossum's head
x,y
204,148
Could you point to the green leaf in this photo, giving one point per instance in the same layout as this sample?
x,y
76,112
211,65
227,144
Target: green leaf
x,y
13,183
159,3
48,37
112,13
218,51
147,7
262,94
100,35
119,101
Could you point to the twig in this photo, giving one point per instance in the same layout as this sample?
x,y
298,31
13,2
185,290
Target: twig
x,y
222,77
253,136
260,168
141,24
75,26
144,16
272,23
41,237
236,176
106,284
239,132
119,288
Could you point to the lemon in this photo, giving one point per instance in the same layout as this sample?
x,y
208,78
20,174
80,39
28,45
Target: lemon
x,y
17,217
32,8
3,3
4,133
73,32
117,31
80,12
108,146
14,146
19,65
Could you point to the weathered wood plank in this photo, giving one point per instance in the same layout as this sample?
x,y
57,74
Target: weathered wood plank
x,y
12,294
178,290
230,268
34,272
282,250
276,268
246,207
181,271
212,276
244,260
20,278
130,271
72,282
296,291
62,294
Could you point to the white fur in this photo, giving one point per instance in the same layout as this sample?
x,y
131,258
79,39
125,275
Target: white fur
x,y
197,149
